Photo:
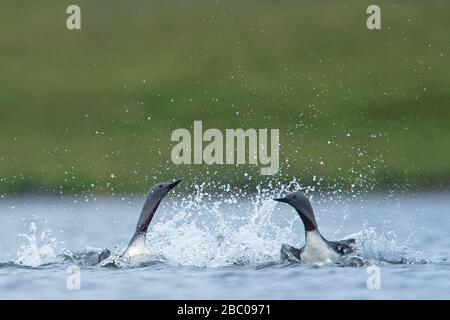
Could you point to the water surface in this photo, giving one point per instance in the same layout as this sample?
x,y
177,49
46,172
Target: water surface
x,y
225,248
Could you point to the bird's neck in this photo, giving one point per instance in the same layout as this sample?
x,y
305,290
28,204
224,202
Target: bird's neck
x,y
309,224
147,217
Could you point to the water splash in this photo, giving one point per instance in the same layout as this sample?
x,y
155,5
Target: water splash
x,y
228,230
223,229
383,247
216,230
40,249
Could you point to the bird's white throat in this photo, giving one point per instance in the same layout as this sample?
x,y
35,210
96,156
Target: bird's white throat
x,y
138,247
316,250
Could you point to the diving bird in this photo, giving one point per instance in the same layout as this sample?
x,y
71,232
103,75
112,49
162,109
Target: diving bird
x,y
317,250
154,197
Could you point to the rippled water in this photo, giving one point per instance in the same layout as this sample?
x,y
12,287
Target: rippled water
x,y
227,247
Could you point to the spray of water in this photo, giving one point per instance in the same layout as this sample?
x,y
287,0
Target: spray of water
x,y
39,250
221,229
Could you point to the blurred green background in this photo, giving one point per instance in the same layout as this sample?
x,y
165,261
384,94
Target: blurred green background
x,y
93,110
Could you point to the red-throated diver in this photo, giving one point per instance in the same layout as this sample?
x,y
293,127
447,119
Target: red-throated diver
x,y
317,250
154,197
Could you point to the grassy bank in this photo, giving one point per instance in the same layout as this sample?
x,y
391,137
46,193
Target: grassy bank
x,y
93,110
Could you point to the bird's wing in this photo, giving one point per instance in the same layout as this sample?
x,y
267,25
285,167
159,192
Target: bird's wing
x,y
343,246
289,253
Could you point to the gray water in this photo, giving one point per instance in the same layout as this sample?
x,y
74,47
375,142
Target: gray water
x,y
223,248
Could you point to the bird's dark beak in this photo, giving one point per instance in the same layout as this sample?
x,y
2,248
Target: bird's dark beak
x,y
174,184
281,199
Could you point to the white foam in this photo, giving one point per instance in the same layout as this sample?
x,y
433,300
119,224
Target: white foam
x,y
39,250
